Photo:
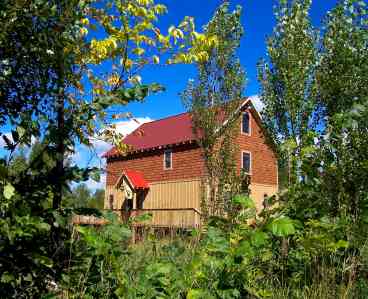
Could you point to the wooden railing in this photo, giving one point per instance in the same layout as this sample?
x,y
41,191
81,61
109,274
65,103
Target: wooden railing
x,y
88,220
180,217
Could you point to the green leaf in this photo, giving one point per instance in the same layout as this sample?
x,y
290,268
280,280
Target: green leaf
x,y
282,227
9,191
95,175
7,277
197,294
259,238
244,201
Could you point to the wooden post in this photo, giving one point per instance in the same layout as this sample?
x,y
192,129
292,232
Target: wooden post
x,y
134,200
134,208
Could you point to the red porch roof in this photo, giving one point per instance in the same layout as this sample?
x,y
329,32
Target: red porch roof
x,y
136,179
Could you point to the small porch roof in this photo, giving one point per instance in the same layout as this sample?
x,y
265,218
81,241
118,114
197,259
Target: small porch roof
x,y
135,179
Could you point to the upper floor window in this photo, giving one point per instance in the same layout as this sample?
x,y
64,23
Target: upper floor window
x,y
245,128
168,159
246,162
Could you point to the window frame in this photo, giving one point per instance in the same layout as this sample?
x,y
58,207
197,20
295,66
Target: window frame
x,y
164,160
242,162
249,124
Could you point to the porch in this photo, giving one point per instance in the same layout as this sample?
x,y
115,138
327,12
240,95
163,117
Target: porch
x,y
175,218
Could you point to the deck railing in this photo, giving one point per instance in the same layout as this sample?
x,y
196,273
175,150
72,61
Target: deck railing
x,y
88,220
180,217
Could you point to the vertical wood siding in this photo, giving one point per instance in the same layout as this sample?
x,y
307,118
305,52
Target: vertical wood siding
x,y
173,194
179,201
259,190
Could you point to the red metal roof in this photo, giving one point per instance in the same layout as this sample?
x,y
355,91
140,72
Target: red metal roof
x,y
136,179
171,130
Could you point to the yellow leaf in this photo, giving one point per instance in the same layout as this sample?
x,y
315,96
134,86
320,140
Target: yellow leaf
x,y
85,21
114,79
156,59
83,31
128,63
171,30
138,51
136,79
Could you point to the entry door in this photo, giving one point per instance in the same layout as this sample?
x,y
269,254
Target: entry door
x,y
127,208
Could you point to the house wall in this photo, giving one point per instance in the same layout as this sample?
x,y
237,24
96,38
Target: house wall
x,y
174,194
179,187
264,168
187,163
263,158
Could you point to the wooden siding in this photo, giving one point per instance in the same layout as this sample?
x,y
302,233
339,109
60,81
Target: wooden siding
x,y
187,163
170,217
118,197
259,190
263,158
174,195
171,203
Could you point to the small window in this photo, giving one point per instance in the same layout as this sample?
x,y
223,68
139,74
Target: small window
x,y
246,162
111,202
245,123
168,159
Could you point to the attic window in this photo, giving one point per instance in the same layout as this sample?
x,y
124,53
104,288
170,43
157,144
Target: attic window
x,y
245,128
246,162
168,159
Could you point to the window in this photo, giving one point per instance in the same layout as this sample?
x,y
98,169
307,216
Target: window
x,y
111,202
246,162
168,159
245,123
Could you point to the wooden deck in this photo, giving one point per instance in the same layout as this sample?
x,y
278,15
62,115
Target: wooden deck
x,y
169,218
181,218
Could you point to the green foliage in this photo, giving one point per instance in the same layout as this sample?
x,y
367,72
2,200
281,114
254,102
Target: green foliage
x,y
213,99
82,197
288,82
310,242
282,227
49,55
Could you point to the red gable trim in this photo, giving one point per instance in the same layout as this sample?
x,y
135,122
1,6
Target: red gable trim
x,y
136,179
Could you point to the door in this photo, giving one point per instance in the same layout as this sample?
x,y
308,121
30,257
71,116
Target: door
x,y
127,209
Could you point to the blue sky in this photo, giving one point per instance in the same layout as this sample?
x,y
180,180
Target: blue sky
x,y
258,21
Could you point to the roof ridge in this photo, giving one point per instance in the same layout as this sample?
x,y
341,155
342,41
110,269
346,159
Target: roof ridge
x,y
167,117
156,120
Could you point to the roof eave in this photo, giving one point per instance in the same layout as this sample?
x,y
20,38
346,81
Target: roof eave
x,y
149,149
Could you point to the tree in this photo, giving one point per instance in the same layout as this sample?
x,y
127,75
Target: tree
x,y
343,92
47,65
81,197
214,98
288,87
342,64
98,199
